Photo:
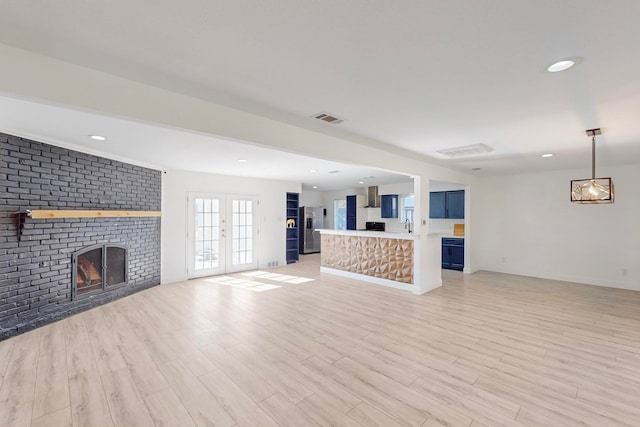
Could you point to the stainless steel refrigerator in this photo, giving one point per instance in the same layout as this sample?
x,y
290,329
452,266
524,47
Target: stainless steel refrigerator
x,y
311,219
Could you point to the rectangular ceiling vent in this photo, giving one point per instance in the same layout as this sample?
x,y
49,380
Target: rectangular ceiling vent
x,y
329,118
466,151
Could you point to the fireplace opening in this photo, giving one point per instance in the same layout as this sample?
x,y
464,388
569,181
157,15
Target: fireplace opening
x,y
98,268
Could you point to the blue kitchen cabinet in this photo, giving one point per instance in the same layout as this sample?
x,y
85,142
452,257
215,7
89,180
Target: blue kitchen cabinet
x,y
446,204
437,204
457,257
453,253
455,204
389,206
351,212
293,227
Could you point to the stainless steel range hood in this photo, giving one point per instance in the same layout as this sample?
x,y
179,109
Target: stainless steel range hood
x,y
373,199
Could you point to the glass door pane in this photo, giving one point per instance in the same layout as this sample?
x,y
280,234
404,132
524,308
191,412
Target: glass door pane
x,y
207,242
243,234
206,235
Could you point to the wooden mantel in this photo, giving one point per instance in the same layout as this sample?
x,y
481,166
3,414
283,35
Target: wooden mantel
x,y
48,214
78,213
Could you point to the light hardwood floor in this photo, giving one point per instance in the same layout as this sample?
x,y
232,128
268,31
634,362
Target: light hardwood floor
x,y
275,349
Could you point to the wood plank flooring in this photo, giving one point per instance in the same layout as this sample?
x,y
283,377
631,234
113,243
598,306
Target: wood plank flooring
x,y
292,347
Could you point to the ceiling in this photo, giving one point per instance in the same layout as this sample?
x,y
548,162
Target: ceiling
x,y
422,76
171,149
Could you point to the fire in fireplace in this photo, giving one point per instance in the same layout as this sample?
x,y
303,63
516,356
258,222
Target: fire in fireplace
x,y
98,268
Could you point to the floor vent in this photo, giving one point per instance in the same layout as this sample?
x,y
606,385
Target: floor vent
x,y
329,118
466,151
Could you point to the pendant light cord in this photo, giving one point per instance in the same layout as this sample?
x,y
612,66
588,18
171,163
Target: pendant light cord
x,y
593,157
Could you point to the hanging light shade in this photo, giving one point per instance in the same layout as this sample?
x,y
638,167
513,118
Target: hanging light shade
x,y
592,190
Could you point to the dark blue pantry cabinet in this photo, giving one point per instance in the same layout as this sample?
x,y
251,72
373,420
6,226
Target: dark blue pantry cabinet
x,y
351,212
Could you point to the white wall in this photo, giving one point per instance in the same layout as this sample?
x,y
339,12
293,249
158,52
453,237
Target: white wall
x,y
271,214
312,198
444,186
329,196
401,188
525,224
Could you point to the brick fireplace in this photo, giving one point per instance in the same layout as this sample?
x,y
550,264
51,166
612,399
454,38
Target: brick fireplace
x,y
98,268
61,266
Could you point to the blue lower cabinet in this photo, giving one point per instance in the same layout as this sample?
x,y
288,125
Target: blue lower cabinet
x,y
446,256
453,254
457,257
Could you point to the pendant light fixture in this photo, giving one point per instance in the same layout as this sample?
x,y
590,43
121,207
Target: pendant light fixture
x,y
593,190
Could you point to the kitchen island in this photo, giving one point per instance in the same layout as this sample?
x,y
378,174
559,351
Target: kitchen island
x,y
371,256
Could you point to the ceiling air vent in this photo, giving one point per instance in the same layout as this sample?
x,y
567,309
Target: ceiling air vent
x,y
325,117
466,151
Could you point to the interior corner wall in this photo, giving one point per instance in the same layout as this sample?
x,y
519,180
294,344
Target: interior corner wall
x,y
271,211
328,198
526,225
311,198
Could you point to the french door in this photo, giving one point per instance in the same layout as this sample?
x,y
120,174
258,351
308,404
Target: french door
x,y
222,234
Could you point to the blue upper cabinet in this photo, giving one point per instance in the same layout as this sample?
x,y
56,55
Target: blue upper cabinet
x,y
455,204
437,204
389,206
446,204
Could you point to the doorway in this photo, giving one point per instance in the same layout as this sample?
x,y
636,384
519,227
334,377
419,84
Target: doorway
x,y
222,234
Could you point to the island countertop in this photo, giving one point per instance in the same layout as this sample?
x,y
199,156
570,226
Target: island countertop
x,y
368,233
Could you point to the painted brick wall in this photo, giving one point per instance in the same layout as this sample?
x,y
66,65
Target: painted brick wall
x,y
35,272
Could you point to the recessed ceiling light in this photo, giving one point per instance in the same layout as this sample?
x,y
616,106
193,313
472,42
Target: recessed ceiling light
x,y
313,170
98,137
315,186
242,160
547,155
475,169
561,66
360,182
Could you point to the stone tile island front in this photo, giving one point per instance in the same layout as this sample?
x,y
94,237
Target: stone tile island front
x,y
371,256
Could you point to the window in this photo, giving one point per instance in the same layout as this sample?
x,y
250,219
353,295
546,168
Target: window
x,y
408,204
340,214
